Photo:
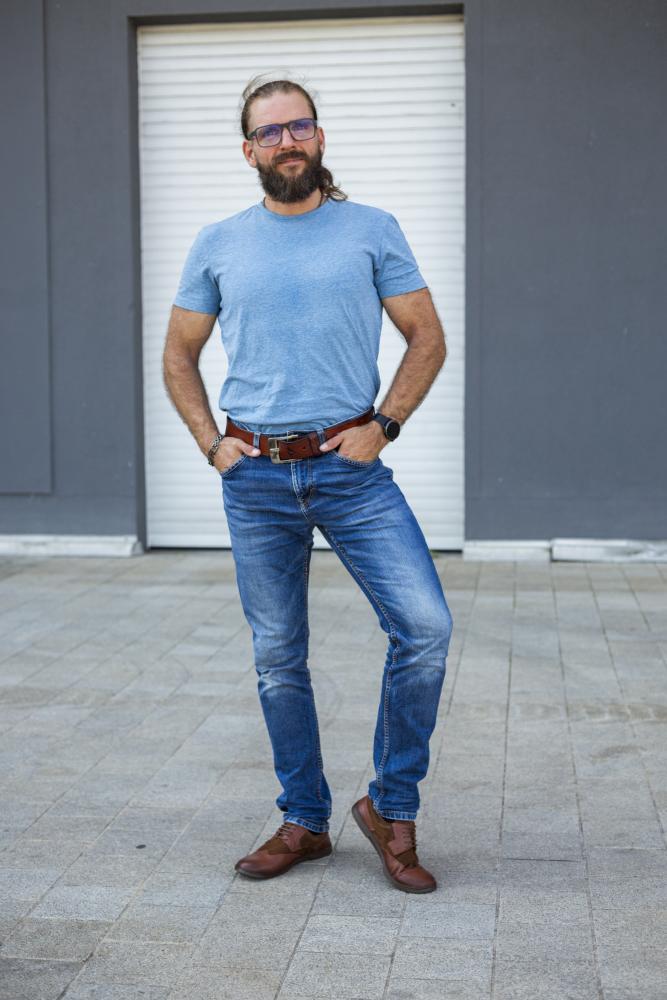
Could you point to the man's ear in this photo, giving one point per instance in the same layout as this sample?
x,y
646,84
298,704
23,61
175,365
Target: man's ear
x,y
249,152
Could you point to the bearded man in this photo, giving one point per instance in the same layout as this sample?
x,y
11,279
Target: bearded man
x,y
298,283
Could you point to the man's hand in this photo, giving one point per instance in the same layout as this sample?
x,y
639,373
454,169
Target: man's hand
x,y
361,444
230,451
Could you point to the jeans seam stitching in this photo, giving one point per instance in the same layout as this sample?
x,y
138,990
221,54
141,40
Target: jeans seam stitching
x,y
239,461
320,762
302,508
352,461
392,637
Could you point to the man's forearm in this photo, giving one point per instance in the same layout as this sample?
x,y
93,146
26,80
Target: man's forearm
x,y
413,379
186,390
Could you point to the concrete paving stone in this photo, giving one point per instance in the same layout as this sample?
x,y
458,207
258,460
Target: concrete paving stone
x,y
639,969
526,903
427,959
166,793
201,983
656,991
79,828
631,926
435,989
351,934
115,991
20,814
83,902
626,863
371,900
11,911
157,830
144,922
111,870
59,940
98,793
176,889
624,832
29,884
142,962
543,874
250,946
197,858
277,907
538,847
547,939
609,797
443,921
335,976
526,978
35,979
649,890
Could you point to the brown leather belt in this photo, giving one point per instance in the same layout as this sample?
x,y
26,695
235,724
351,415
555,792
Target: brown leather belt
x,y
291,447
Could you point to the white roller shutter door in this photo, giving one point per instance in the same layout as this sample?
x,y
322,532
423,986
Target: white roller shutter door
x,y
371,78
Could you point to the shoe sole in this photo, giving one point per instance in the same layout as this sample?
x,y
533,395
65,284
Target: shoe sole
x,y
399,885
324,853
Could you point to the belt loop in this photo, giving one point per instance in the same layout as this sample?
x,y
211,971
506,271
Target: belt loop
x,y
321,435
255,439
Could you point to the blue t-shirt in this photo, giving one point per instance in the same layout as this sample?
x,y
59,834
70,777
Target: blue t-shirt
x,y
298,301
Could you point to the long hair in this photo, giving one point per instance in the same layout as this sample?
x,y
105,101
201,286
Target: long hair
x,y
254,90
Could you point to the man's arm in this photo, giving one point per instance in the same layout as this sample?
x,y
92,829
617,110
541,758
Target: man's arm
x,y
187,333
414,315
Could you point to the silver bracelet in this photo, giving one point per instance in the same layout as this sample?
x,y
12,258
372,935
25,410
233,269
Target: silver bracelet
x,y
214,447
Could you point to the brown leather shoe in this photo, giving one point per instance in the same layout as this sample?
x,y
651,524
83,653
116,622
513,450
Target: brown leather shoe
x,y
289,845
396,843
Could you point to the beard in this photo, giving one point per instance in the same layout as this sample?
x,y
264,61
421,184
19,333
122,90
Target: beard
x,y
287,189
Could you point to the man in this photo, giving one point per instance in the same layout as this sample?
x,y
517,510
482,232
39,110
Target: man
x,y
298,283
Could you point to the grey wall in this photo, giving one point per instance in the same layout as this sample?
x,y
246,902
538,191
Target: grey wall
x,y
25,391
565,244
566,351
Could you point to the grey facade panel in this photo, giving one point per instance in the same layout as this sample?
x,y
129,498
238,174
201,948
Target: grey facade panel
x,y
25,403
565,296
567,247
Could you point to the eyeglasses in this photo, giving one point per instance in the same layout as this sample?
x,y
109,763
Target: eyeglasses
x,y
270,135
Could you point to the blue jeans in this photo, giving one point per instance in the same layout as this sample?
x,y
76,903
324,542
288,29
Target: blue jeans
x,y
271,511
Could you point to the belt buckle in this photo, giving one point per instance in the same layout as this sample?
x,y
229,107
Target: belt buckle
x,y
274,448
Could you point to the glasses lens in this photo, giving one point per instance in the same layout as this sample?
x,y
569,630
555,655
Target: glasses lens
x,y
268,135
304,128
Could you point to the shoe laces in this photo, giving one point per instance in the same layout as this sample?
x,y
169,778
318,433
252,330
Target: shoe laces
x,y
284,830
281,835
406,835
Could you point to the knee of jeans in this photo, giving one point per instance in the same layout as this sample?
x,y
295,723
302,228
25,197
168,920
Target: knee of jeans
x,y
278,657
431,633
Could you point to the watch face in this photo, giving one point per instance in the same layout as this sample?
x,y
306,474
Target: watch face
x,y
392,429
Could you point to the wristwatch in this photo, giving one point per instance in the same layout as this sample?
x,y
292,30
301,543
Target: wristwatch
x,y
391,427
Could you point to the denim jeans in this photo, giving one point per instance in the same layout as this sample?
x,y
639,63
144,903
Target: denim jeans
x,y
271,511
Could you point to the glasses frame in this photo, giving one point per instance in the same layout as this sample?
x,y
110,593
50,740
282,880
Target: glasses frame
x,y
282,126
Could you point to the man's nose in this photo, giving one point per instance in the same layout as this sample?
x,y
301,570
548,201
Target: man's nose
x,y
286,137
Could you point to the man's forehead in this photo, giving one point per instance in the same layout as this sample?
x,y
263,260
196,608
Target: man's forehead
x,y
278,107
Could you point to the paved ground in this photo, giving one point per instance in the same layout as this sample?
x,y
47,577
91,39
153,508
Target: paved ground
x,y
135,769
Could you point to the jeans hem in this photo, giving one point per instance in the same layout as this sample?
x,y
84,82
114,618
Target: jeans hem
x,y
309,824
394,813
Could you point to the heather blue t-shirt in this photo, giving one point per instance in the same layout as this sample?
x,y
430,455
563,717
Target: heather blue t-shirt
x,y
298,301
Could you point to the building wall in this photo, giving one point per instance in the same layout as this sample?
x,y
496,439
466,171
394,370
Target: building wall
x,y
565,297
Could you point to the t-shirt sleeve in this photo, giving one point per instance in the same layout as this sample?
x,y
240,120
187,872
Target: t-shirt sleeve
x,y
198,289
396,271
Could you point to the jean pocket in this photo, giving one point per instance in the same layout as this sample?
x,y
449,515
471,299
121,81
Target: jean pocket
x,y
354,462
230,468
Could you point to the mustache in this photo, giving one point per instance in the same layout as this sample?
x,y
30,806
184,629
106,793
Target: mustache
x,y
295,156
